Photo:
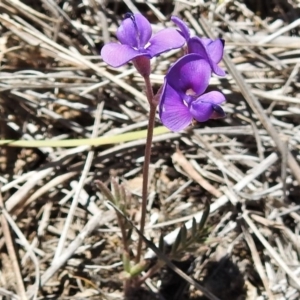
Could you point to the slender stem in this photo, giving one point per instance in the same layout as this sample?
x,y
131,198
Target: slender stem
x,y
127,282
12,255
149,92
121,224
153,105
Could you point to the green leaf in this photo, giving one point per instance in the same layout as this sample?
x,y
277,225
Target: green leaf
x,y
183,236
194,228
161,244
123,194
205,215
176,244
104,140
105,191
115,188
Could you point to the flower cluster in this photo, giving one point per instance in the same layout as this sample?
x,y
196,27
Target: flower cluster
x,y
182,97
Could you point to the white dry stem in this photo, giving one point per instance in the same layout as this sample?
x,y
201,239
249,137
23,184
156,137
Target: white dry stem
x,y
10,295
28,248
279,32
92,224
24,191
81,183
271,251
76,59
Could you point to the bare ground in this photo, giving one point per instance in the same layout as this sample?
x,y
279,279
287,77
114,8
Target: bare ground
x,y
54,86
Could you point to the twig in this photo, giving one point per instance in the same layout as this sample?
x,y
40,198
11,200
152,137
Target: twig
x,y
279,32
8,294
271,251
258,263
21,195
131,6
179,158
53,5
285,141
74,204
27,246
45,188
92,224
12,254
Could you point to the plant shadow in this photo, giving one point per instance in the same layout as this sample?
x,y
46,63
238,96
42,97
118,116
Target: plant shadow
x,y
222,278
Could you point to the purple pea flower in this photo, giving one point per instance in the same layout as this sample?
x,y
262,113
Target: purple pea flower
x,y
182,99
210,50
135,39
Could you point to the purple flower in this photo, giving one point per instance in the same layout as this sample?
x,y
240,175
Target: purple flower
x,y
182,98
210,50
134,35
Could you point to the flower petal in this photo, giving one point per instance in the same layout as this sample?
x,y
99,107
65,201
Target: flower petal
x,y
201,111
213,97
197,45
117,55
165,40
134,31
185,31
189,72
172,111
218,112
206,106
215,48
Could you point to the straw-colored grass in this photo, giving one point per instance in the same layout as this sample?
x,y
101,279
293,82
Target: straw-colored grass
x,y
60,240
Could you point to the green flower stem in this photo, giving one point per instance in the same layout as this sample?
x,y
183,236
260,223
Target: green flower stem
x,y
121,223
151,121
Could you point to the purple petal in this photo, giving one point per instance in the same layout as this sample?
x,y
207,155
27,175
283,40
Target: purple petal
x,y
216,49
172,111
135,31
165,40
196,45
213,97
218,112
201,111
185,31
206,107
117,55
190,72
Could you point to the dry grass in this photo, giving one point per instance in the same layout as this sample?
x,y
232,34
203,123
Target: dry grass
x,y
54,85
